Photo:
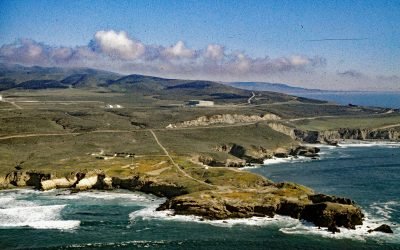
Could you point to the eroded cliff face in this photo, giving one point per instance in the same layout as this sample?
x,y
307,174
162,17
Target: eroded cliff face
x,y
224,119
254,154
330,136
94,179
346,134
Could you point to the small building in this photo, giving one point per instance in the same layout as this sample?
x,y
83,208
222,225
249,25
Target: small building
x,y
113,106
200,103
1,98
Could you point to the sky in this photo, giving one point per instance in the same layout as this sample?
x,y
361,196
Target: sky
x,y
343,45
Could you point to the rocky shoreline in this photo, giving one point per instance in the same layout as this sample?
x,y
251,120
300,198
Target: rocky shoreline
x,y
249,156
267,199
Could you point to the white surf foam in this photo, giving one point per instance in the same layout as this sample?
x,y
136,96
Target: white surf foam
x,y
112,195
15,211
349,144
150,213
55,224
285,224
42,217
381,214
385,209
276,160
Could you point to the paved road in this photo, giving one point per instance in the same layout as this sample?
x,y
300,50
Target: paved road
x,y
249,100
35,135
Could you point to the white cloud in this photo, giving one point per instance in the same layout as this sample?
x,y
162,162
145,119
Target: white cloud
x,y
299,60
128,56
214,52
118,45
179,50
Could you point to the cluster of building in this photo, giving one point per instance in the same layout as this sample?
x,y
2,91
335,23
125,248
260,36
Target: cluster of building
x,y
107,156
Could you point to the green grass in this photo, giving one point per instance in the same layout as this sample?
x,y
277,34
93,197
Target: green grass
x,y
73,151
206,140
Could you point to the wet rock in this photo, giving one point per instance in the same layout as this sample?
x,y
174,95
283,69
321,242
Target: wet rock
x,y
305,151
384,228
281,155
326,213
333,228
318,198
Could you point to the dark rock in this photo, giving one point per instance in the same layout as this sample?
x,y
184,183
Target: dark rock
x,y
382,228
333,228
319,198
238,151
305,151
281,155
327,213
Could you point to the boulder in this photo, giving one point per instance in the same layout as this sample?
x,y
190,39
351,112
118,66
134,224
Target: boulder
x,y
305,151
382,228
57,183
333,228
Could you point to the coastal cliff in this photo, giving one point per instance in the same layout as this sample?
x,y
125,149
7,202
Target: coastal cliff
x,y
329,136
224,119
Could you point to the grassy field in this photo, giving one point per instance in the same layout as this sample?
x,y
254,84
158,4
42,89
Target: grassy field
x,y
206,140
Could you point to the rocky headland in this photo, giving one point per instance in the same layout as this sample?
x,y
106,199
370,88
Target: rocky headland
x,y
259,198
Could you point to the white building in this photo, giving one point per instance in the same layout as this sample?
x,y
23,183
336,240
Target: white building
x,y
1,98
200,103
113,106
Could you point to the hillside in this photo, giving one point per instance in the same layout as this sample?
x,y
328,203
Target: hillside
x,y
20,77
274,87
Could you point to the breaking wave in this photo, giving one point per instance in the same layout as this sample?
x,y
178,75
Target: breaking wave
x,y
15,212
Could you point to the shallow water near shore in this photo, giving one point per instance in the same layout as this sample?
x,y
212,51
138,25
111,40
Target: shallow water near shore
x,y
369,174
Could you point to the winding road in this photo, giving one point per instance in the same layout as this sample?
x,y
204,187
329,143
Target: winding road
x,y
174,163
251,97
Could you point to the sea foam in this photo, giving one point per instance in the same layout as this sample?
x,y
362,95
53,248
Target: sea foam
x,y
284,224
17,212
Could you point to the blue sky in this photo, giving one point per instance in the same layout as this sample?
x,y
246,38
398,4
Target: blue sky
x,y
258,29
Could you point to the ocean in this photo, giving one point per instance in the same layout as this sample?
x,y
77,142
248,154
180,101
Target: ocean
x,y
374,99
367,173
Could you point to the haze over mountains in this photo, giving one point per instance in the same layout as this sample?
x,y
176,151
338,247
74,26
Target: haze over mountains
x,y
274,87
21,77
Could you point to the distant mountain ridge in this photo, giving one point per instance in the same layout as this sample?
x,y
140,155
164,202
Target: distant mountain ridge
x,y
37,78
274,87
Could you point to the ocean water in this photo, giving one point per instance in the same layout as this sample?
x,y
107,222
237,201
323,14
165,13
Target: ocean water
x,y
369,174
374,99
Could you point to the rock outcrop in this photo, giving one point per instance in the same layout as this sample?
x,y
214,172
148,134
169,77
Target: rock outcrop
x,y
25,178
255,155
224,119
57,183
382,228
285,199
